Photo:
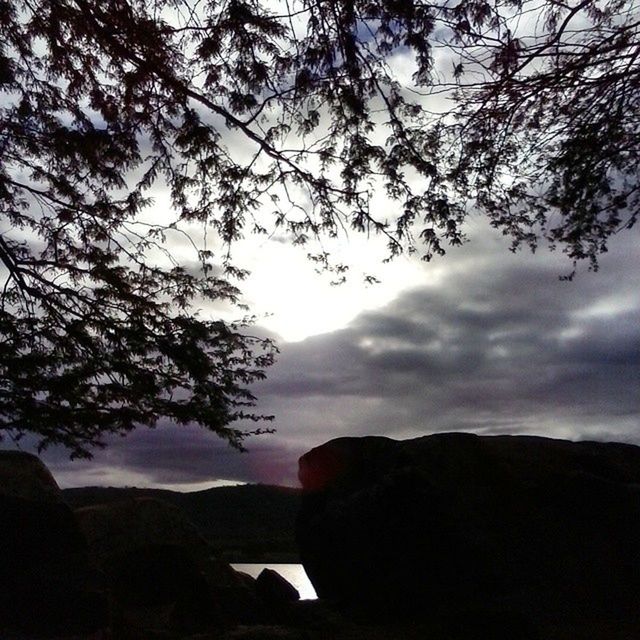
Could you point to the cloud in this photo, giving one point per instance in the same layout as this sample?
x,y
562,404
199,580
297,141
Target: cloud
x,y
500,345
496,344
182,458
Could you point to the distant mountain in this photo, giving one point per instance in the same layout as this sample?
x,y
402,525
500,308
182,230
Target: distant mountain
x,y
245,523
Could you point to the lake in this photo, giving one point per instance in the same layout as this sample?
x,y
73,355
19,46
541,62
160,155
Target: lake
x,y
294,573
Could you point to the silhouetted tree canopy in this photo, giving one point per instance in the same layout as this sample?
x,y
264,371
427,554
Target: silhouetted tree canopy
x,y
395,117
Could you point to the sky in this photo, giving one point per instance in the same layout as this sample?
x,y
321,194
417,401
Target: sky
x,y
481,340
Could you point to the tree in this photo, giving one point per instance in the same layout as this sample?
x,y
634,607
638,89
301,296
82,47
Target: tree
x,y
260,116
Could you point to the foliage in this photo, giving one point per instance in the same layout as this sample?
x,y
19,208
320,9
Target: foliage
x,y
285,117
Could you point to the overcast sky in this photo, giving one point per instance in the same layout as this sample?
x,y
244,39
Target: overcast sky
x,y
481,340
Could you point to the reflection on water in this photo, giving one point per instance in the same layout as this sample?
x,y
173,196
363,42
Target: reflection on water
x,y
294,573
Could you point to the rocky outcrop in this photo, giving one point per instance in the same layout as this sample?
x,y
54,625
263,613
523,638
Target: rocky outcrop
x,y
469,527
132,569
275,590
117,528
23,475
46,581
161,573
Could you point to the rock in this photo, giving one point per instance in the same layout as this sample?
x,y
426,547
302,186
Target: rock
x,y
162,574
155,563
275,590
461,525
44,569
240,602
23,475
116,528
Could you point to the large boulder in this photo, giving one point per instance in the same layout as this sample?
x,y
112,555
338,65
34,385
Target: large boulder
x,y
276,590
25,476
462,526
161,573
117,528
46,581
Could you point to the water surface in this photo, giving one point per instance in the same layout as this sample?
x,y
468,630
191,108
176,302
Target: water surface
x,y
294,573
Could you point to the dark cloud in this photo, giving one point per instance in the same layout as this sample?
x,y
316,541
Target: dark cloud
x,y
496,344
178,457
501,346
175,457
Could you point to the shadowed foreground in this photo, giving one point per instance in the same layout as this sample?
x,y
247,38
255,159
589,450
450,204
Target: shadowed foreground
x,y
514,531
447,537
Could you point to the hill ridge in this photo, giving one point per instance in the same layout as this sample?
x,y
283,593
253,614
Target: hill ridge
x,y
244,523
